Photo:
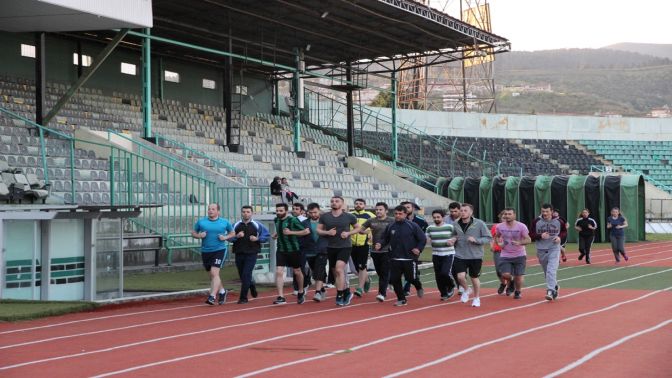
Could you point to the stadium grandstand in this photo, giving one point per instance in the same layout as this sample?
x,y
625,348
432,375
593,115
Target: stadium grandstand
x,y
139,117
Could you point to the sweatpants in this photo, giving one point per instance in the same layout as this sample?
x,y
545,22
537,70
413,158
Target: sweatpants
x,y
381,261
443,272
416,281
408,269
585,242
245,263
549,261
617,246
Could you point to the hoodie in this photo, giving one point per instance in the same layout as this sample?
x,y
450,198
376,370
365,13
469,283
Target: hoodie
x,y
466,250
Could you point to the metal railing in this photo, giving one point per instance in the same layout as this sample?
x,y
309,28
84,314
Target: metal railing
x,y
329,112
627,169
173,198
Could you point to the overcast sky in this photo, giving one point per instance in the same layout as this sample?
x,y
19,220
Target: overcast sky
x,y
553,24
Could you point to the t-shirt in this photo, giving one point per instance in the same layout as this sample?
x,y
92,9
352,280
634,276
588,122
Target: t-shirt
x,y
517,232
213,228
342,223
495,247
440,235
287,243
378,227
584,223
616,222
362,216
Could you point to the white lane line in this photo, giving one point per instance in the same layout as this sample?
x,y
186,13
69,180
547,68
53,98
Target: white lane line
x,y
597,351
268,320
647,247
239,310
157,363
431,328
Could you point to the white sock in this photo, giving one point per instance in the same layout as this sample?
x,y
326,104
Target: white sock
x,y
222,291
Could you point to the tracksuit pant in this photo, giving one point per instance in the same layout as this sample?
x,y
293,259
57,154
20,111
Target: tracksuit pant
x,y
617,246
381,261
585,242
549,261
408,269
443,272
245,263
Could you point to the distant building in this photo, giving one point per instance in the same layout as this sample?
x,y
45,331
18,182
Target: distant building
x,y
662,112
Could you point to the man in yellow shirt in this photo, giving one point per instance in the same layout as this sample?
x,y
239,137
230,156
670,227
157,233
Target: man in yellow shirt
x,y
360,247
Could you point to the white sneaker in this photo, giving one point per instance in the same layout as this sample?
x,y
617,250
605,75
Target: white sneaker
x,y
476,302
380,298
464,298
460,290
329,286
318,297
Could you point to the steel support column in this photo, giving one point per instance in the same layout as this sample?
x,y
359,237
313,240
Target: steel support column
x,y
296,93
147,85
227,89
97,62
40,77
393,105
276,97
350,114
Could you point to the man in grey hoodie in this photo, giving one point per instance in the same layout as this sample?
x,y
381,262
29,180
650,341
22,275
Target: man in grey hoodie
x,y
547,233
472,236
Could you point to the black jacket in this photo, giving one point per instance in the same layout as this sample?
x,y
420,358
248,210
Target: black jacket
x,y
244,244
402,237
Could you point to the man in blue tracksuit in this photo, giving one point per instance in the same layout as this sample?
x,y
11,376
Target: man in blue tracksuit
x,y
406,240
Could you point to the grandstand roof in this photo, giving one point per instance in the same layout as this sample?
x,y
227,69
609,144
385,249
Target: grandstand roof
x,y
329,31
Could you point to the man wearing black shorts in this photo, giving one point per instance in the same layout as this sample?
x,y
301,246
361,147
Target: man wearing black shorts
x,y
472,236
360,247
213,232
288,229
315,249
337,227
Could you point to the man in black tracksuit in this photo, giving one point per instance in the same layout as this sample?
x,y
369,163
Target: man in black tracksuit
x,y
250,234
406,240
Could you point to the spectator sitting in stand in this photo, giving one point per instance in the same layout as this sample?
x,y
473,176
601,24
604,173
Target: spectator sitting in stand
x,y
288,194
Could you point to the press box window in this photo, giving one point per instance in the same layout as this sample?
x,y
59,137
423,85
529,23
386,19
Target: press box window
x,y
128,68
86,60
173,77
208,84
28,51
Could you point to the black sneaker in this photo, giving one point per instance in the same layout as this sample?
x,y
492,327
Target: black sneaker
x,y
210,300
347,298
510,288
517,295
242,301
450,294
549,294
301,298
400,303
253,291
280,301
501,289
221,297
556,292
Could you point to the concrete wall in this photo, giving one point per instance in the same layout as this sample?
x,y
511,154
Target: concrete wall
x,y
520,126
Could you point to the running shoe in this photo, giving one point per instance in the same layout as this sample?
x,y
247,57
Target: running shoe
x,y
329,286
359,292
625,257
380,298
400,303
564,258
421,293
460,290
347,298
210,300
451,292
339,301
242,301
253,291
510,288
221,297
318,296
476,302
501,288
444,298
280,301
301,298
581,256
549,295
587,260
517,295
367,284
556,292
464,298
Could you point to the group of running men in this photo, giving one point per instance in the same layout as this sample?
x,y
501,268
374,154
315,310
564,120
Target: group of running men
x,y
307,241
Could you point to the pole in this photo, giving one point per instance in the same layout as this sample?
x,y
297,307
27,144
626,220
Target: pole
x,y
393,100
147,84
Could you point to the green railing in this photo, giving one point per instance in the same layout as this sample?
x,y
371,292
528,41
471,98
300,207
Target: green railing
x,y
329,112
173,199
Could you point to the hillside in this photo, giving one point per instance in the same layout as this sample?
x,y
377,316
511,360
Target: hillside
x,y
582,81
653,49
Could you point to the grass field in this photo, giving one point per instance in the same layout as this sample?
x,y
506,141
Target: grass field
x,y
13,310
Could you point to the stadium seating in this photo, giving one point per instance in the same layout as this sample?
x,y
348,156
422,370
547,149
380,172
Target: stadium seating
x,y
651,158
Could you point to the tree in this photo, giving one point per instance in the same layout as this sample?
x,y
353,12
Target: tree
x,y
382,100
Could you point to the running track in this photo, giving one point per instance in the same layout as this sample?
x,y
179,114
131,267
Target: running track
x,y
601,332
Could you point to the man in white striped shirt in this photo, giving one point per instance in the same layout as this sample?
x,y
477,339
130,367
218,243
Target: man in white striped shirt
x,y
442,237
